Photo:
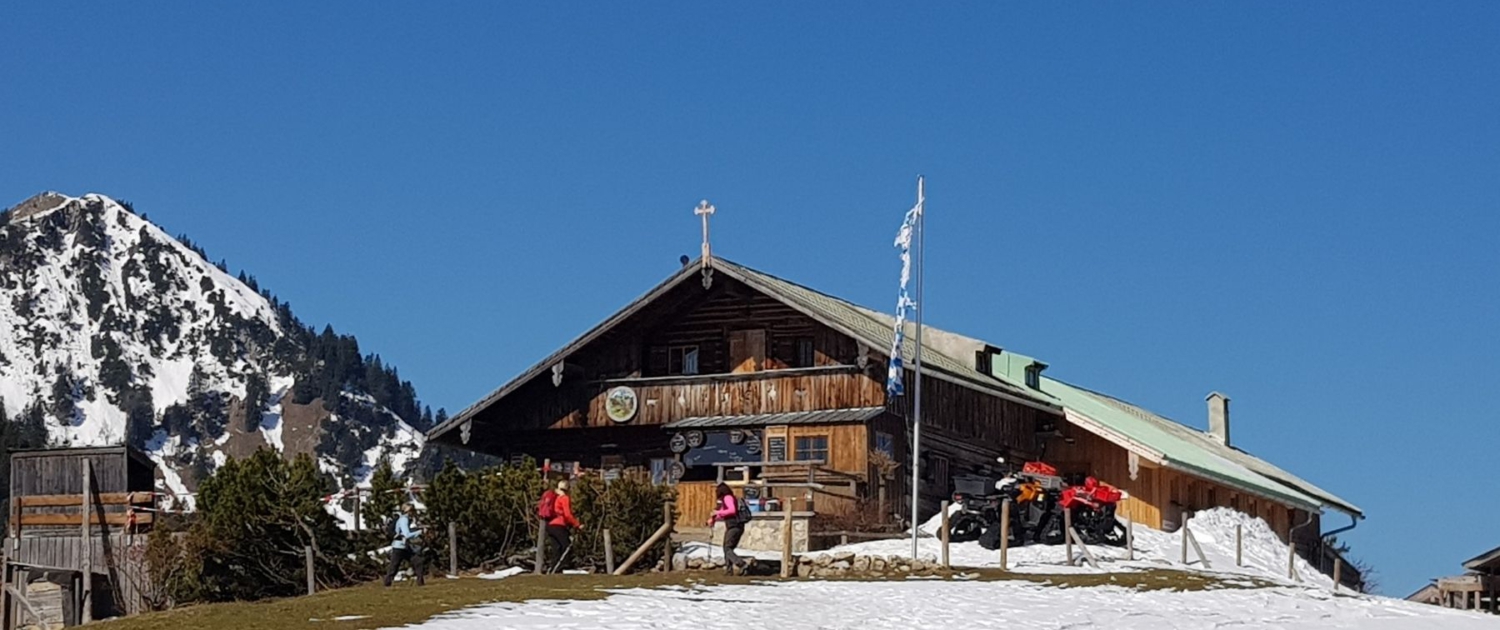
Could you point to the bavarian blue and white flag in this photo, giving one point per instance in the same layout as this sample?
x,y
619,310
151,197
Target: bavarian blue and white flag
x,y
904,303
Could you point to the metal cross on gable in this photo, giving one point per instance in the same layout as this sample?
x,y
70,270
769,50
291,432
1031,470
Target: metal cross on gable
x,y
706,210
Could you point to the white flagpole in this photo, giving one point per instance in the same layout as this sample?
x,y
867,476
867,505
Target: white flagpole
x,y
916,427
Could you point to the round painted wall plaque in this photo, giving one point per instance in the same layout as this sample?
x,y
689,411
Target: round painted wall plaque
x,y
620,404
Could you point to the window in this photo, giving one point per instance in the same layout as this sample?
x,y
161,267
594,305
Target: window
x,y
661,471
885,443
1033,378
682,360
812,447
806,357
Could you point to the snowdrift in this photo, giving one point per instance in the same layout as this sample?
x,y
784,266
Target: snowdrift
x,y
1265,556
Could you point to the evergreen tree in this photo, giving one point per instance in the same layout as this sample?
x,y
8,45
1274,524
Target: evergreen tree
x,y
63,403
255,516
256,395
385,495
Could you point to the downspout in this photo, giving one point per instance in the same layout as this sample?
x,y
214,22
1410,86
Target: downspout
x,y
1323,539
1291,540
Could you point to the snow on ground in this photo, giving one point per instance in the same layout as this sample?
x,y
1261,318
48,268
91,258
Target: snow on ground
x,y
502,574
1265,556
819,605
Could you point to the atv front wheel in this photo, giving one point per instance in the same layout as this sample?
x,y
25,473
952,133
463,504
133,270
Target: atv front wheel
x,y
965,527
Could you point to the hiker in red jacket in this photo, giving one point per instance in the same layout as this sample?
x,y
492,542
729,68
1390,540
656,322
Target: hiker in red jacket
x,y
557,509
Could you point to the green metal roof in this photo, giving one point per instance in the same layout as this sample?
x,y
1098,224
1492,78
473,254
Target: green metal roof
x,y
1162,441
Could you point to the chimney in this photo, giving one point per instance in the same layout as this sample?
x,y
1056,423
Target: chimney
x,y
1218,417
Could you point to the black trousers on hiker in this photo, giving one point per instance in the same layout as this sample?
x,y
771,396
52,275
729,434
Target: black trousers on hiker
x,y
408,555
732,534
562,540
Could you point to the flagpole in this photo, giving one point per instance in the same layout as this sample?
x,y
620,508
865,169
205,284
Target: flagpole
x,y
916,427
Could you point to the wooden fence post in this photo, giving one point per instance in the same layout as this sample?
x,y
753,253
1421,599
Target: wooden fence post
x,y
1186,518
88,544
1239,545
541,545
666,519
786,538
945,535
664,530
1004,534
609,553
1067,538
1291,561
452,549
312,581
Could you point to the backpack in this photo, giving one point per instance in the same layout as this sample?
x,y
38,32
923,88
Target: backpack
x,y
390,528
741,511
546,508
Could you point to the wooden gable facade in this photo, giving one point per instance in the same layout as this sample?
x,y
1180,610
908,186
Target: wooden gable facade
x,y
756,370
742,375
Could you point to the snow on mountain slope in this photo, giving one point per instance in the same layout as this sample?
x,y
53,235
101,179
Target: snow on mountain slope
x,y
115,332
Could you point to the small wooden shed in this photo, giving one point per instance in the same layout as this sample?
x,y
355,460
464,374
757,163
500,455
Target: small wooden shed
x,y
76,537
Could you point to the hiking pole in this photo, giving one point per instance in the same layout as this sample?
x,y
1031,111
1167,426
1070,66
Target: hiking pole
x,y
560,558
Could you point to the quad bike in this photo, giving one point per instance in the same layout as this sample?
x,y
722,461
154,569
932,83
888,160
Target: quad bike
x,y
1034,516
1038,497
1093,506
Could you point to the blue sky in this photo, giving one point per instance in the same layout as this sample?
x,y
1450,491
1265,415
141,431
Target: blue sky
x,y
1295,204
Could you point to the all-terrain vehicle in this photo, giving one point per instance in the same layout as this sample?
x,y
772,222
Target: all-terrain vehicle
x,y
1038,497
1093,506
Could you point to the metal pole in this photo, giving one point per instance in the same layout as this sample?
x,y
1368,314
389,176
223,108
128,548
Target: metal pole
x,y
916,428
1129,537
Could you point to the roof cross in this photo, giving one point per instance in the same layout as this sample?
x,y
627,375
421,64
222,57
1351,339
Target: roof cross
x,y
706,210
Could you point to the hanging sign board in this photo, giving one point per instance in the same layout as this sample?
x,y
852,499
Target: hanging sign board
x,y
678,443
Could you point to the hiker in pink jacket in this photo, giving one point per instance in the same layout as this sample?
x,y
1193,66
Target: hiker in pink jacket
x,y
735,514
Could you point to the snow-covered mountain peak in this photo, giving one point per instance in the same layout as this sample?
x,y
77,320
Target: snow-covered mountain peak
x,y
113,331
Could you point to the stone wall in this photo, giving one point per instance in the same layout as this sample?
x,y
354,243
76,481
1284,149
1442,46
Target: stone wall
x,y
763,532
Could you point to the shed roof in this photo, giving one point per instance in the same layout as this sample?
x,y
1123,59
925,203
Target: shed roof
x,y
1487,562
828,416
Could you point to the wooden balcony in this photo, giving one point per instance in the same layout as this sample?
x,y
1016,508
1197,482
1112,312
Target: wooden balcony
x,y
661,400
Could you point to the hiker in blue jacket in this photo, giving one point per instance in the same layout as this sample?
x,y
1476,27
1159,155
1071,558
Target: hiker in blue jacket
x,y
405,546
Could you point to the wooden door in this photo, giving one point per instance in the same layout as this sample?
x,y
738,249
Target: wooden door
x,y
747,351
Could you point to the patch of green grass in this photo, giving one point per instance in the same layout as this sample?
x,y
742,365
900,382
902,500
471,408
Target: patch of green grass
x,y
406,603
401,604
